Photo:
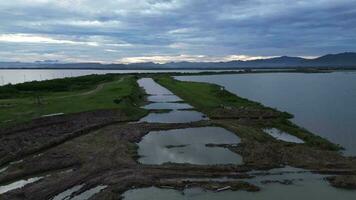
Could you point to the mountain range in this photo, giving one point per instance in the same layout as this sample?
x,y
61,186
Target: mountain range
x,y
341,60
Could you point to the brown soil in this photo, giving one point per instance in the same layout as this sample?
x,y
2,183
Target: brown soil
x,y
100,149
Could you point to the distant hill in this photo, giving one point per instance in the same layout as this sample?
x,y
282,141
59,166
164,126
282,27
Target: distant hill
x,y
342,60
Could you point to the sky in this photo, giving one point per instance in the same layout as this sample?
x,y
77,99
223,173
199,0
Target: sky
x,y
129,31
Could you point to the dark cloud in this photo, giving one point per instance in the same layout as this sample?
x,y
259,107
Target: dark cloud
x,y
110,30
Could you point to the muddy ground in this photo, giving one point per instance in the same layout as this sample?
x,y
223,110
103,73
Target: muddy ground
x,y
99,148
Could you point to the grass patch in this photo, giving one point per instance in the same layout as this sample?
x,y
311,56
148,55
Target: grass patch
x,y
121,93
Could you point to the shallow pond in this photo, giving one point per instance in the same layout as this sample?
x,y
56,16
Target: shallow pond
x,y
164,98
323,103
281,135
175,116
188,146
165,105
153,88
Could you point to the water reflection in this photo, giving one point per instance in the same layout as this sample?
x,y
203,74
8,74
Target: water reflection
x,y
152,88
164,99
176,116
188,146
165,105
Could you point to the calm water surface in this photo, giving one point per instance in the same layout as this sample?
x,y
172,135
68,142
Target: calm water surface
x,y
188,146
166,105
322,103
165,99
24,75
175,116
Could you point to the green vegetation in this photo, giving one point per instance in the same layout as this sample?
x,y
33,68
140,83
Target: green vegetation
x,y
118,92
208,97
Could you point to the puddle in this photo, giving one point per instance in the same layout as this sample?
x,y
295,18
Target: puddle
x,y
67,193
281,135
188,146
18,184
175,116
164,98
172,106
89,193
153,88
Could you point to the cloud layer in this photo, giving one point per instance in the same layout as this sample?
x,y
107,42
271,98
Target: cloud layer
x,y
166,30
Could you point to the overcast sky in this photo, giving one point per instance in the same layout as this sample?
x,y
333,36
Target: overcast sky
x,y
173,30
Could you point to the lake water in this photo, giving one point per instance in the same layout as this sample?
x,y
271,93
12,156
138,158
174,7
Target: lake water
x,y
188,146
323,103
24,75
